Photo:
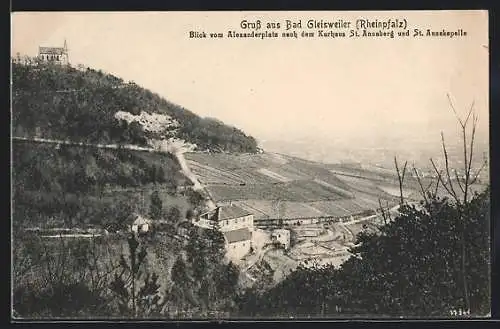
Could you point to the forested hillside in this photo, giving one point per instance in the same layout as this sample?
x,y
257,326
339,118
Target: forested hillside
x,y
68,185
63,102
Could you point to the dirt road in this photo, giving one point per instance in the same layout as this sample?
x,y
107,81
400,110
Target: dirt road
x,y
178,153
197,186
72,143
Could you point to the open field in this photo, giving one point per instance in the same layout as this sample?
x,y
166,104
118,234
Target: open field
x,y
228,169
297,191
305,189
369,178
373,173
268,209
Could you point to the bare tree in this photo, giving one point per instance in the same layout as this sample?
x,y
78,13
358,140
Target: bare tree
x,y
401,178
386,216
423,191
385,212
461,191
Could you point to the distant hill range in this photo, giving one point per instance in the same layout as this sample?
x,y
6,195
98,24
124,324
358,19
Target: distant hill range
x,y
86,105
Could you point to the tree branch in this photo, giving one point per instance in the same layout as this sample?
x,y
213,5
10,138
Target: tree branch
x,y
384,216
440,178
401,176
445,152
459,183
471,153
470,112
424,192
477,174
404,171
437,186
454,111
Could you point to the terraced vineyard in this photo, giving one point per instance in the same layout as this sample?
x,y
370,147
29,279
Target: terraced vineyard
x,y
297,191
305,189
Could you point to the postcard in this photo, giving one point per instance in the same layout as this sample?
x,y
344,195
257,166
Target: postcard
x,y
246,165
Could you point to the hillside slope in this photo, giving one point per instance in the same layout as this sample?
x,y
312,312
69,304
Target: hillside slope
x,y
63,102
76,185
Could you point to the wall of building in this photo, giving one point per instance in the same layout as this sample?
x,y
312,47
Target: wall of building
x,y
141,228
57,59
235,251
229,224
283,237
205,223
237,223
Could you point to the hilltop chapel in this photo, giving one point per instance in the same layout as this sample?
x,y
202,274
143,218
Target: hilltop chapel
x,y
54,55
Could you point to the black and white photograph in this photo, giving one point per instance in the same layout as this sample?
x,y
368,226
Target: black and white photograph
x,y
248,165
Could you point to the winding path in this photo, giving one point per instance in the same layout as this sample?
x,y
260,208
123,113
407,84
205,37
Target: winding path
x,y
197,186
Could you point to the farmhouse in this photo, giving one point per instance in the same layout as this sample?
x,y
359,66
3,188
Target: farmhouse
x,y
229,218
237,226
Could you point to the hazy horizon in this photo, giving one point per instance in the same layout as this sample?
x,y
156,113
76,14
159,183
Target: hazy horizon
x,y
332,95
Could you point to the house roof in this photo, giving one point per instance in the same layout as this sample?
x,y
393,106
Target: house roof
x,y
51,50
230,212
226,212
242,234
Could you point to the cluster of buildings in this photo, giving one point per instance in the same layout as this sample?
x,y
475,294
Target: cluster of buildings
x,y
235,223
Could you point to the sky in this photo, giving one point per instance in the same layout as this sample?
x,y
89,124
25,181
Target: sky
x,y
357,93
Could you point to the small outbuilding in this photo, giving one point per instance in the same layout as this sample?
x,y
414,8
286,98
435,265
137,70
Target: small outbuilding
x,y
282,237
140,224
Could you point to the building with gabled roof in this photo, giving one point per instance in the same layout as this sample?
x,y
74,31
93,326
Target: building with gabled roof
x,y
235,223
238,243
54,55
230,217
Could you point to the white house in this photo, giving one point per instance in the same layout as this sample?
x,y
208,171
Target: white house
x,y
237,226
238,243
281,236
140,224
